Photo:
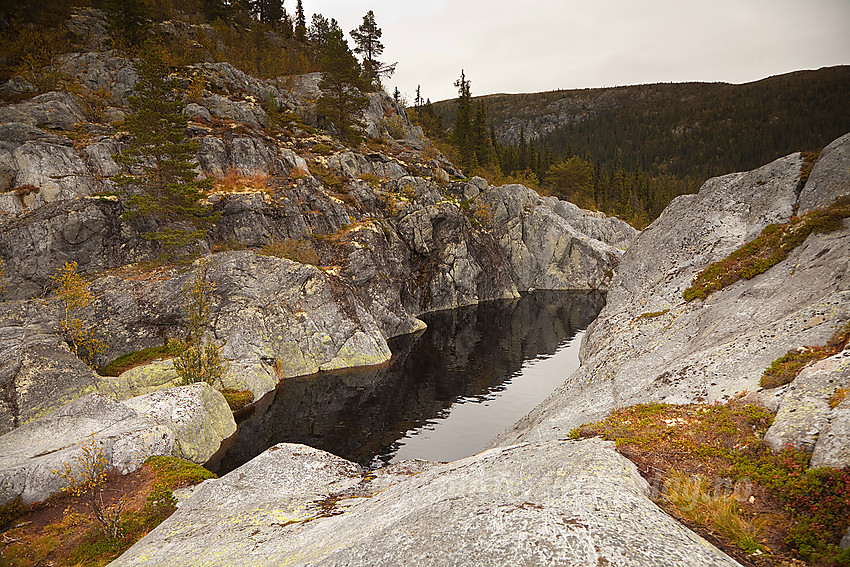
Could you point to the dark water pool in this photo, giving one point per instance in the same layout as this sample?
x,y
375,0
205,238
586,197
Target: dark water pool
x,y
446,393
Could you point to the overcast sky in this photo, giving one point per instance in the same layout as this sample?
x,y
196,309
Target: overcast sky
x,y
542,45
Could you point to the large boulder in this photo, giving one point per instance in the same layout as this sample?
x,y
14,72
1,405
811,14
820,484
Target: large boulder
x,y
38,372
198,415
32,455
649,345
54,110
534,503
830,177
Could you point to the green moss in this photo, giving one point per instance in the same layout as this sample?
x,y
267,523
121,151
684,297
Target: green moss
x,y
237,399
12,510
139,357
175,472
651,315
773,245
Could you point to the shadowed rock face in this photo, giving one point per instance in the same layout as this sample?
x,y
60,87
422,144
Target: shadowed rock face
x,y
359,414
551,503
706,351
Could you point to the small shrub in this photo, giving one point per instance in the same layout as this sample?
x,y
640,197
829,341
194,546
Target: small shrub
x,y
237,399
327,176
200,360
296,250
784,369
74,292
809,159
322,149
84,478
395,126
373,180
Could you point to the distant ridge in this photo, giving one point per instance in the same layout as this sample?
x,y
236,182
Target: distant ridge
x,y
685,129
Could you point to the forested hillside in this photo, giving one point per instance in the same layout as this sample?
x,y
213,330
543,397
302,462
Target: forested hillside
x,y
633,148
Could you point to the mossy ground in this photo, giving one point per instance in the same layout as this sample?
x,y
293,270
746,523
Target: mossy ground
x,y
784,369
710,468
62,531
773,245
139,357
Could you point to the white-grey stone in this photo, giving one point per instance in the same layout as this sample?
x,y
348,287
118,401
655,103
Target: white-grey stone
x,y
198,415
31,456
554,503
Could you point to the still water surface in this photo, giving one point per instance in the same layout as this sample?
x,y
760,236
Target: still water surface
x,y
446,393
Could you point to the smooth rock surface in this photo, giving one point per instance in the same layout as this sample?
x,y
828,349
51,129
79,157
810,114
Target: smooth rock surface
x,y
31,455
832,448
701,351
804,411
555,503
830,177
198,415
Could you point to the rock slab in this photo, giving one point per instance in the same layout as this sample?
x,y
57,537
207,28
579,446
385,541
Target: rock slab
x,y
553,503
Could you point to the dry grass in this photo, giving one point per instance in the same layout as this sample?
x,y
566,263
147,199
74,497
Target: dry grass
x,y
234,182
710,468
296,250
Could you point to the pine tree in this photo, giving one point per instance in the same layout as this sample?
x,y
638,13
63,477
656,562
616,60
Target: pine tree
x,y
341,102
417,102
484,150
161,182
368,39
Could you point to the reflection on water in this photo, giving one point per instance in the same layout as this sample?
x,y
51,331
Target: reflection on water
x,y
447,392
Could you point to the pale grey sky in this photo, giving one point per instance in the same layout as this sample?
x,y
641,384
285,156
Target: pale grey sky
x,y
542,45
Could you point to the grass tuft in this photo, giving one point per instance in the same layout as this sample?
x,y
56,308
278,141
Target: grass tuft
x,y
709,467
237,399
296,250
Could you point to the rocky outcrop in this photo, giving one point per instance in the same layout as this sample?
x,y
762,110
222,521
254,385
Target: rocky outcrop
x,y
32,455
830,177
649,345
198,415
188,422
537,502
38,372
544,249
804,419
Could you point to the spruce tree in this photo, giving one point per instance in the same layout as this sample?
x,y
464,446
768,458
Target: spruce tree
x,y
300,23
463,137
341,102
161,183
